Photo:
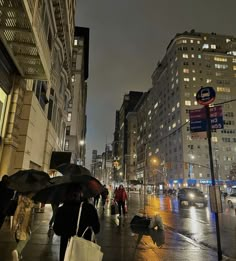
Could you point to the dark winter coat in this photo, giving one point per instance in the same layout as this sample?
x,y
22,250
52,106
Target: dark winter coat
x,y
5,197
66,219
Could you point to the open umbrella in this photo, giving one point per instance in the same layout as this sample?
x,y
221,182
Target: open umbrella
x,y
31,180
72,169
57,191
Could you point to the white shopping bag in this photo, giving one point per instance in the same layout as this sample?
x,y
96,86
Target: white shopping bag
x,y
80,249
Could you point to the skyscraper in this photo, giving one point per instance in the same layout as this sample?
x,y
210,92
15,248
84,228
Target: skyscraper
x,y
192,60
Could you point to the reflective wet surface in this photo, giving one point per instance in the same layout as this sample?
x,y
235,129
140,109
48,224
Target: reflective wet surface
x,y
189,234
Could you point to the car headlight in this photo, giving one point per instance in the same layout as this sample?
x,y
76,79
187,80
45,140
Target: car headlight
x,y
191,195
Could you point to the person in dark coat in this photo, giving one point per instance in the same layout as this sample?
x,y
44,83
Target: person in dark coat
x,y
6,195
66,219
104,195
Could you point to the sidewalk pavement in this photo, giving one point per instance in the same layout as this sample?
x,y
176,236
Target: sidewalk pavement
x,y
116,239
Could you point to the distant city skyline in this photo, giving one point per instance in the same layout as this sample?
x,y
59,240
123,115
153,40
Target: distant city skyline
x,y
127,39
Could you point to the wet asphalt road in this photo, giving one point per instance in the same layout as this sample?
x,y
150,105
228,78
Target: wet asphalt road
x,y
189,234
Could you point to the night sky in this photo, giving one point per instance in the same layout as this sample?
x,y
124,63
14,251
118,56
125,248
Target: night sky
x,y
127,39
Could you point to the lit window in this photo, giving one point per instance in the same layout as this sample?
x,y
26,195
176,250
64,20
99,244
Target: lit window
x,y
193,70
186,79
69,116
195,103
162,126
221,66
194,78
149,135
198,42
73,78
227,40
213,46
185,55
173,125
157,150
223,89
191,41
234,67
75,42
169,128
177,105
208,80
188,103
155,105
199,56
205,46
220,59
192,55
214,139
234,60
173,109
149,112
186,70
184,41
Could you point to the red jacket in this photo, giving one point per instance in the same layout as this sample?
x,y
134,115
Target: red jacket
x,y
120,195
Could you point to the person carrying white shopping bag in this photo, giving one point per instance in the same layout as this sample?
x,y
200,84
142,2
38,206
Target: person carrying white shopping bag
x,y
71,222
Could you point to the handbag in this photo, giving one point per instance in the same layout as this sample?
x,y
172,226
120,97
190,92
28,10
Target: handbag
x,y
82,249
114,208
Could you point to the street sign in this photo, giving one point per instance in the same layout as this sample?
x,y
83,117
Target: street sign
x,y
206,95
198,119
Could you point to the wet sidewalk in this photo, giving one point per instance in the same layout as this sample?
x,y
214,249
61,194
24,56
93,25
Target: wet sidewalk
x,y
117,240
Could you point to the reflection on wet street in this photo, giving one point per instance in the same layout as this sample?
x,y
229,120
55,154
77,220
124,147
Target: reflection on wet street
x,y
197,223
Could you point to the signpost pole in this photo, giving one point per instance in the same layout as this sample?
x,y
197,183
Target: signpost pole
x,y
213,180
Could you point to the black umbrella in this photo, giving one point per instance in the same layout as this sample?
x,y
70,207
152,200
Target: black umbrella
x,y
72,169
26,181
58,191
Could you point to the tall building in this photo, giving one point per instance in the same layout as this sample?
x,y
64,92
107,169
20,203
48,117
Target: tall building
x,y
192,60
36,39
76,111
121,133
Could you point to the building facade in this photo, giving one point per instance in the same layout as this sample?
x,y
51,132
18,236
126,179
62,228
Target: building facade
x,y
120,143
192,60
36,38
76,111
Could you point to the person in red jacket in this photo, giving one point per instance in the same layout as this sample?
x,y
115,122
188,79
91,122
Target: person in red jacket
x,y
120,198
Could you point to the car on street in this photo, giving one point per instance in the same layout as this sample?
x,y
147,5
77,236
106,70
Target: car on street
x,y
192,196
231,200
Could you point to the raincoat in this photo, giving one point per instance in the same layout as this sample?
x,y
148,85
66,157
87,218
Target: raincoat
x,y
22,218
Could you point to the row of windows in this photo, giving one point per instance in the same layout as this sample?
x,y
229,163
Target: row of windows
x,y
228,131
224,139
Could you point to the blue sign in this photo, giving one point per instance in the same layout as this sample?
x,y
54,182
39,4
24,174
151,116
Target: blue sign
x,y
206,95
198,126
198,120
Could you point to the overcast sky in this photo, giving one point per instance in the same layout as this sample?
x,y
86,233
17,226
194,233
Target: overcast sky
x,y
127,38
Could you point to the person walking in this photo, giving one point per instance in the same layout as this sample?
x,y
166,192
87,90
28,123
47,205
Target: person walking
x,y
6,195
104,196
22,224
96,200
67,215
120,198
